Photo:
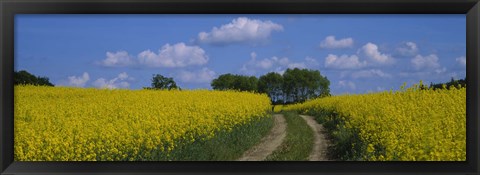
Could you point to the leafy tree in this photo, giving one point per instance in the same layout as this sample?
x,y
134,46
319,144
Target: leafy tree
x,y
223,82
245,83
235,82
303,84
162,82
295,85
24,77
271,84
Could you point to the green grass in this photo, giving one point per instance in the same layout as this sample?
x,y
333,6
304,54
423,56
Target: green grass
x,y
225,146
298,143
347,144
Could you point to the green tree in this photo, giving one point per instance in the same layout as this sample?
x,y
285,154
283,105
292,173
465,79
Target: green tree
x,y
303,84
235,82
162,82
223,82
271,84
245,83
24,77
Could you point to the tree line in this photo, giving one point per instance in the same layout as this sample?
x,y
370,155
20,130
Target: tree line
x,y
453,83
24,77
295,85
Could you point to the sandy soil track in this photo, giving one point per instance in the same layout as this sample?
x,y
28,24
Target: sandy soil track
x,y
269,143
319,152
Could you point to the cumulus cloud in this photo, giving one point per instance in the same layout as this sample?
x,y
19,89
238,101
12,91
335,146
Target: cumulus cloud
x,y
425,67
204,75
344,62
312,62
371,51
370,73
117,59
300,65
420,62
347,84
440,70
171,56
123,76
379,88
253,55
275,64
121,81
254,65
407,49
461,61
239,30
177,55
79,81
331,43
367,56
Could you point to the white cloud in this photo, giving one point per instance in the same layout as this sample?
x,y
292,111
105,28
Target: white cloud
x,y
441,70
79,81
370,73
331,43
407,49
420,62
426,65
253,55
204,75
344,62
177,55
266,63
371,51
123,76
282,61
312,62
274,64
379,88
117,82
240,30
461,61
254,65
117,59
347,84
297,65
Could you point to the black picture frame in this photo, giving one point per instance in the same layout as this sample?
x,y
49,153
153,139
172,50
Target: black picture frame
x,y
9,8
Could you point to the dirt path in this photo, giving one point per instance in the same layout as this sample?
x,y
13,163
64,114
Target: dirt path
x,y
268,143
319,152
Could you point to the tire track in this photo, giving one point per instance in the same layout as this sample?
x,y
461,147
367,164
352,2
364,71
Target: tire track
x,y
320,147
269,143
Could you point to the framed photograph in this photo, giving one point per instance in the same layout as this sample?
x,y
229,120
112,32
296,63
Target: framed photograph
x,y
229,87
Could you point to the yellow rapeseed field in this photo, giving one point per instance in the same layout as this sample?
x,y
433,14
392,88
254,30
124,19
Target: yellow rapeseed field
x,y
411,124
69,124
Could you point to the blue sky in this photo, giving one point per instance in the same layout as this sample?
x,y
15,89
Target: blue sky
x,y
357,53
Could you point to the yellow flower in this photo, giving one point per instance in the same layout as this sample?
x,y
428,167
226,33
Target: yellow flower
x,y
64,123
410,124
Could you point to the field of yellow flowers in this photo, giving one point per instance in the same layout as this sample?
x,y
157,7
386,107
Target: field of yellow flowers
x,y
86,124
407,125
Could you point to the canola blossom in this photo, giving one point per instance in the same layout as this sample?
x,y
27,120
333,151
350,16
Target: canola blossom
x,y
87,124
406,125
